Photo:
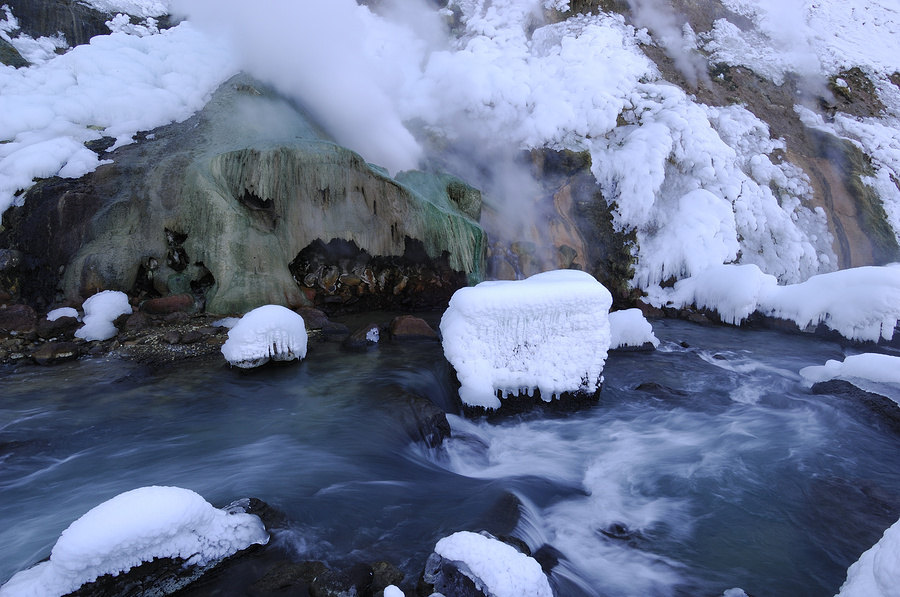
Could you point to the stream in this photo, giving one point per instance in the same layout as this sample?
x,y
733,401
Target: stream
x,y
706,465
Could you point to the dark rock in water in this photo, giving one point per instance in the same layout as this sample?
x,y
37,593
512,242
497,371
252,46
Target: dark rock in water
x,y
645,347
445,577
288,578
385,574
353,582
313,318
363,337
659,390
176,303
58,327
18,318
409,327
503,516
335,332
56,352
422,419
886,411
548,557
523,403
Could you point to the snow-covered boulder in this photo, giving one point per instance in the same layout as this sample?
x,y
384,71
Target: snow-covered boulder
x,y
135,527
630,329
879,368
861,303
877,572
266,333
493,567
549,333
100,311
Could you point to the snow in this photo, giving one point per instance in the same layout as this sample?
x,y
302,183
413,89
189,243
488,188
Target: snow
x,y
100,311
629,328
62,312
134,527
548,332
876,573
267,332
496,568
138,8
115,86
879,368
860,303
392,591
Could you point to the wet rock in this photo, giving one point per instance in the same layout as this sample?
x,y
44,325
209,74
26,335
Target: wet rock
x,y
10,56
58,327
46,18
137,321
335,332
499,268
18,318
409,327
352,582
314,319
192,336
56,352
444,577
565,256
363,337
9,259
175,303
422,419
384,574
885,410
172,337
288,578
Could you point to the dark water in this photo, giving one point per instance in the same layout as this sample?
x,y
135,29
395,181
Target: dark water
x,y
721,471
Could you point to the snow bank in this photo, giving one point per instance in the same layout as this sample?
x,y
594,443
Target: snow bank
x,y
267,332
496,568
138,8
876,573
135,527
630,328
114,86
100,311
879,368
860,303
548,332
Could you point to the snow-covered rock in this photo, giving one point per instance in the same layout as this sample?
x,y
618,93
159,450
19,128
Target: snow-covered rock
x,y
100,311
135,527
877,572
62,312
860,304
495,568
880,368
266,333
549,333
629,328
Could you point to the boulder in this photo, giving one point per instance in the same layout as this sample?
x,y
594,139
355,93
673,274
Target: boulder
x,y
56,352
363,337
351,582
409,327
169,304
59,327
18,318
226,205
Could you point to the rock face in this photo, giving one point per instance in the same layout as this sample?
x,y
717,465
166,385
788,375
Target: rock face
x,y
228,205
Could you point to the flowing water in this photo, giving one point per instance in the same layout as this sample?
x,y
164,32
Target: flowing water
x,y
706,465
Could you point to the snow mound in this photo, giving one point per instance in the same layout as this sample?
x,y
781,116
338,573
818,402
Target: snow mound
x,y
267,332
630,328
860,304
100,311
495,567
549,332
134,527
880,368
876,573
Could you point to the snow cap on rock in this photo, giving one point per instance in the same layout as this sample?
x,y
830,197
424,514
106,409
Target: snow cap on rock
x,y
267,332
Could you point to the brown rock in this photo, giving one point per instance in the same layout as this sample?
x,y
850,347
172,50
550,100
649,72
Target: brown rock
x,y
175,303
408,327
56,352
173,337
137,321
361,337
192,337
58,327
18,318
314,319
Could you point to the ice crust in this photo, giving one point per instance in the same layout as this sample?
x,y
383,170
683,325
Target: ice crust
x,y
549,332
134,527
100,311
629,327
266,333
876,573
497,568
860,303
